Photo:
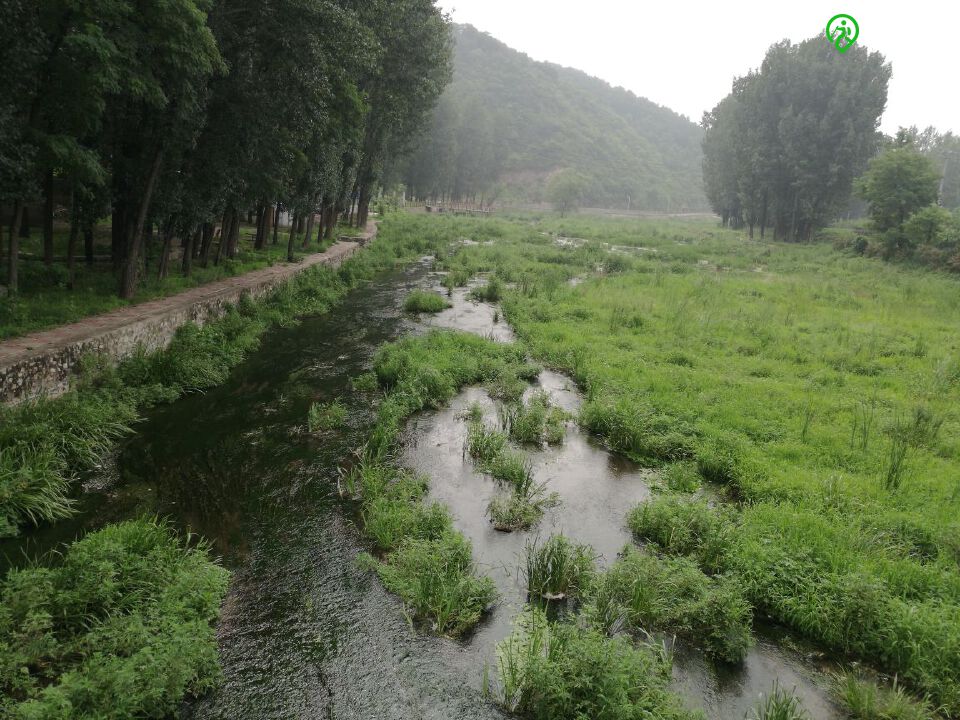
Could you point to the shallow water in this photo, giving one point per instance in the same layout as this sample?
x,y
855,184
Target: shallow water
x,y
597,489
306,634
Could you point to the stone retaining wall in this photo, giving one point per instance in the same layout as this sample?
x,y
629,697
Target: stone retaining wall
x,y
42,364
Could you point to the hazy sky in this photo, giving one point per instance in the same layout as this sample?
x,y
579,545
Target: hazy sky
x,y
685,54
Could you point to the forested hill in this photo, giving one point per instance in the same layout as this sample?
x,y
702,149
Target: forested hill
x,y
507,122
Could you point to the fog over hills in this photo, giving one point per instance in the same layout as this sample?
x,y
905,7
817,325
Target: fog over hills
x,y
506,123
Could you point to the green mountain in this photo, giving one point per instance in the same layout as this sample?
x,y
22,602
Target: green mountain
x,y
506,123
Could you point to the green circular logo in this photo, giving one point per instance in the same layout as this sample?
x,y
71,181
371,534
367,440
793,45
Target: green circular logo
x,y
842,32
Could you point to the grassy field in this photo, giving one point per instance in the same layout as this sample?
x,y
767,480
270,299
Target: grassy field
x,y
814,392
45,301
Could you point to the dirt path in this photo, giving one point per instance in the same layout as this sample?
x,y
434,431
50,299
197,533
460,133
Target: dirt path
x,y
42,362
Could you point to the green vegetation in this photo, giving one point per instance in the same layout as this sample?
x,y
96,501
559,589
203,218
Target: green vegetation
x,y
326,416
557,568
423,559
156,119
864,699
810,370
780,704
120,626
555,670
527,500
45,445
420,556
46,298
764,149
535,422
490,292
506,123
682,527
643,592
420,301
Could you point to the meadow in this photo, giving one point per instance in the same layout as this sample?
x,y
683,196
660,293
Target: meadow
x,y
810,395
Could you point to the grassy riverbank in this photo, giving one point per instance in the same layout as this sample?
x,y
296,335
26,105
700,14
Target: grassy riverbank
x,y
815,390
46,445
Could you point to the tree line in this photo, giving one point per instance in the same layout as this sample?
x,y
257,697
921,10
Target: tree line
x,y
782,150
187,115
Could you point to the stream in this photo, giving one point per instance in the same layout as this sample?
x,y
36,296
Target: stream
x,y
304,632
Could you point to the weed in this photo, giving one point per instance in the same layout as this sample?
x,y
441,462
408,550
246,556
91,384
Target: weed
x,y
557,568
326,416
559,670
779,705
121,626
685,527
421,301
491,292
864,699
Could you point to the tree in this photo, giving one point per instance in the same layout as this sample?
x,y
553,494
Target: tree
x,y
785,146
928,226
898,182
565,191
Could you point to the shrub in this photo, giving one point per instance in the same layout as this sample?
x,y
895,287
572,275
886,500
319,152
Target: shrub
x,y
420,301
122,627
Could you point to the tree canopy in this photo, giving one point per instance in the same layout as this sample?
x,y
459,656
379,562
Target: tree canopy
x,y
782,150
180,115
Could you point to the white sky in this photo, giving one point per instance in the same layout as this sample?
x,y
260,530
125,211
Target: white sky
x,y
684,54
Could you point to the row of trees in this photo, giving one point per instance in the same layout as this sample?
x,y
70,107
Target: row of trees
x,y
783,149
186,114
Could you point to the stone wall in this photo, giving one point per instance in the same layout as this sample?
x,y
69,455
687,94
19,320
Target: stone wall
x,y
43,364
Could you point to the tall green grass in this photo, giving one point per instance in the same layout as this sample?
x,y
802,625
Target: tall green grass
x,y
557,670
121,626
46,445
815,389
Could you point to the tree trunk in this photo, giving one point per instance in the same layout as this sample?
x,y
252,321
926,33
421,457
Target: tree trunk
x,y
276,225
164,264
234,243
300,223
290,238
128,282
330,223
205,243
14,247
269,220
193,239
72,242
309,233
258,238
88,241
48,218
24,230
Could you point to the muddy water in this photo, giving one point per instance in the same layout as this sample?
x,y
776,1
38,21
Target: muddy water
x,y
304,633
597,489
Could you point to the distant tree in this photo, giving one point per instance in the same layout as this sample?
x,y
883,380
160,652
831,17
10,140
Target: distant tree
x,y
898,182
931,225
565,191
784,147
